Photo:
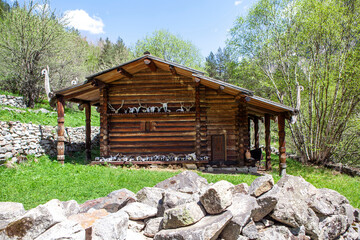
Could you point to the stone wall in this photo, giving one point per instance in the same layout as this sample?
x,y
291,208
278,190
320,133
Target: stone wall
x,y
12,101
21,138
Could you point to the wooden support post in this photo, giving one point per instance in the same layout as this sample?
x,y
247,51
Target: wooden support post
x,y
88,131
60,130
267,143
197,116
151,65
104,126
243,126
249,131
256,132
282,149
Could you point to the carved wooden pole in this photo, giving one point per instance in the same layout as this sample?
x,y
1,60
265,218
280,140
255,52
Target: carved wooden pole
x,y
256,132
104,131
198,126
88,131
282,149
267,143
243,131
60,130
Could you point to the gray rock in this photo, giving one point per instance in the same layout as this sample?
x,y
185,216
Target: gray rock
x,y
240,237
351,234
151,196
217,197
64,230
265,204
292,208
276,232
10,211
112,226
186,182
327,202
241,211
332,227
250,231
139,211
132,235
357,215
242,188
172,199
71,207
136,226
207,228
35,221
253,170
183,215
153,226
261,185
267,222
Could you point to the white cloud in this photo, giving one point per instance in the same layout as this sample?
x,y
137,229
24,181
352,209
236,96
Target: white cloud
x,y
81,20
238,2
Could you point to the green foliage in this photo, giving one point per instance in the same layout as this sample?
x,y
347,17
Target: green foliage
x,y
312,44
220,65
112,54
170,47
4,7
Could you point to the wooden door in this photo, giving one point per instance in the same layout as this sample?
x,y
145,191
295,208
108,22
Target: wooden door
x,y
218,148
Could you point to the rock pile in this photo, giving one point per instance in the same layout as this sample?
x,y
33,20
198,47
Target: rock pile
x,y
188,207
12,101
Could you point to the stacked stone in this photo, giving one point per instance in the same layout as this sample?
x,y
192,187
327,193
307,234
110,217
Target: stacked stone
x,y
12,101
22,139
188,207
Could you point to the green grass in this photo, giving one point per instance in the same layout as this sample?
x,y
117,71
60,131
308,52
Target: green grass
x,y
73,117
35,183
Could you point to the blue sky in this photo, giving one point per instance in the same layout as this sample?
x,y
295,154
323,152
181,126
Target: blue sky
x,y
204,22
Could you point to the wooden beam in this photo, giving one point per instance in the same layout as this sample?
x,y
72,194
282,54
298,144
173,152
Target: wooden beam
x,y
150,64
282,149
267,143
60,130
97,83
256,132
197,119
77,94
124,72
88,131
197,80
242,121
173,70
104,125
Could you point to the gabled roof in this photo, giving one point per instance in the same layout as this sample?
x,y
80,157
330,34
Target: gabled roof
x,y
88,91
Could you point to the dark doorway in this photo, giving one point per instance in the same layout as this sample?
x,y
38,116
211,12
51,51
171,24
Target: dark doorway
x,y
218,148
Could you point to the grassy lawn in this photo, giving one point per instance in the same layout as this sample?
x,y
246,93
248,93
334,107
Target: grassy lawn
x,y
34,183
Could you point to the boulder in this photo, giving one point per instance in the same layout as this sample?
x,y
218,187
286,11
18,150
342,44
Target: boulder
x,y
132,235
111,203
183,215
139,211
241,211
112,226
136,226
351,234
277,232
71,207
151,196
10,211
357,215
261,185
265,204
35,221
186,182
172,199
207,228
153,226
250,231
64,230
241,188
332,227
86,220
326,202
217,197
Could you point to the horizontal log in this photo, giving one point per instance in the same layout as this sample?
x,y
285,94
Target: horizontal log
x,y
148,162
151,139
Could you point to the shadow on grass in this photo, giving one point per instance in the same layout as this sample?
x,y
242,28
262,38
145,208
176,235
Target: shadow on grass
x,y
79,157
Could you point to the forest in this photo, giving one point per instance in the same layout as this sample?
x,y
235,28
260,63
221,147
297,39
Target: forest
x,y
279,48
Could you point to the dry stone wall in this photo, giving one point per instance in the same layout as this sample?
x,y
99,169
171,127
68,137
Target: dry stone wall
x,y
18,138
12,101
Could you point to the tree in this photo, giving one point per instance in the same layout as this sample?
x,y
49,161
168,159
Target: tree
x,y
170,47
220,65
310,43
4,7
112,54
32,37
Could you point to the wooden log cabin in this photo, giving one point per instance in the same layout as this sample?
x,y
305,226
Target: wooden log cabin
x,y
153,107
